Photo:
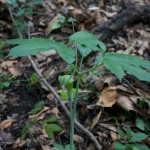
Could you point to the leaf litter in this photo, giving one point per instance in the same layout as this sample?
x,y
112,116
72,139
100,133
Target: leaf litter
x,y
114,97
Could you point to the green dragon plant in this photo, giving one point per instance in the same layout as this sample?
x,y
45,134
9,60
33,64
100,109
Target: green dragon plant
x,y
80,45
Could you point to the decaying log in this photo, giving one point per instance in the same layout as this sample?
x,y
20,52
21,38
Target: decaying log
x,y
132,14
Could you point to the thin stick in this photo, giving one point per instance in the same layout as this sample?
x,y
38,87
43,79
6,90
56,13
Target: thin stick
x,y
84,130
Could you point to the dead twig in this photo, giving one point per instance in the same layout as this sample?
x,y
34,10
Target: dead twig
x,y
57,97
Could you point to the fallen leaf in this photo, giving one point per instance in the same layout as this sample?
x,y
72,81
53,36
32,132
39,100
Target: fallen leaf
x,y
55,111
125,103
8,64
95,120
113,130
51,23
19,143
6,123
3,1
43,55
77,138
108,97
50,96
15,71
39,113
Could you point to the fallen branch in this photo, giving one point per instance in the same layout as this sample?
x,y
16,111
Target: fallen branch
x,y
84,130
129,16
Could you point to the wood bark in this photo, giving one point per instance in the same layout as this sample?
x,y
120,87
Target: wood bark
x,y
132,14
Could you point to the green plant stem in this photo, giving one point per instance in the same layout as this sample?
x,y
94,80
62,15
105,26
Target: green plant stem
x,y
73,116
70,94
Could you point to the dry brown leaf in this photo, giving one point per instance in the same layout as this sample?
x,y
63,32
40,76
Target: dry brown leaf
x,y
19,143
43,55
55,111
125,103
3,1
95,120
8,64
108,97
39,113
50,96
7,123
77,138
111,128
51,23
15,71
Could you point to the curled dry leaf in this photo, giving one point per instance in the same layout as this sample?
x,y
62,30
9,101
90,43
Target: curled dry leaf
x,y
6,123
108,97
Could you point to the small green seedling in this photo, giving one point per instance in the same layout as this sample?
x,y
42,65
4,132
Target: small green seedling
x,y
33,80
5,80
49,124
79,46
130,139
62,21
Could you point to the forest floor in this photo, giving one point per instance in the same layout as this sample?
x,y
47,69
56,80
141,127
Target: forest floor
x,y
25,101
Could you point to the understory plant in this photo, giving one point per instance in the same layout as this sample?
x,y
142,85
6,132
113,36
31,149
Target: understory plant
x,y
50,126
79,46
129,140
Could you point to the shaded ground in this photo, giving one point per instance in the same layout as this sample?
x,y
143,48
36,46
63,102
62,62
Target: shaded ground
x,y
21,89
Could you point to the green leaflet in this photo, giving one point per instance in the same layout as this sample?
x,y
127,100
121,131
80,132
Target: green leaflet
x,y
138,137
114,67
117,62
128,59
138,72
88,40
49,129
84,50
33,46
29,41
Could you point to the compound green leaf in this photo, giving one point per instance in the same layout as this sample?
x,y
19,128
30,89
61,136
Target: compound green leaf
x,y
68,54
132,64
141,124
84,50
58,146
140,146
49,120
54,127
128,59
29,41
88,40
65,79
119,146
49,132
33,46
138,72
114,67
138,137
